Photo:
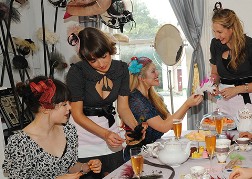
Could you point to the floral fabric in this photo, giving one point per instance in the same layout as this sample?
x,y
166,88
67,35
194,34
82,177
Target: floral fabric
x,y
24,158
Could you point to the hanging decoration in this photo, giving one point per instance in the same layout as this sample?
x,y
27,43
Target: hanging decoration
x,y
118,14
57,61
87,7
58,3
24,46
5,11
50,37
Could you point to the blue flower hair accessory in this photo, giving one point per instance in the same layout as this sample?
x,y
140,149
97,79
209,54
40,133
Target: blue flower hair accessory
x,y
134,66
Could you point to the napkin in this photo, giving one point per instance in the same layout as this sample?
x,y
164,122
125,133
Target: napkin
x,y
207,85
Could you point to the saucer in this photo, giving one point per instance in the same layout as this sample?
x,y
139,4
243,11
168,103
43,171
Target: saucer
x,y
249,147
189,176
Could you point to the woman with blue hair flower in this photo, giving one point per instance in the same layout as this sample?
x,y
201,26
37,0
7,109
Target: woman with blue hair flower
x,y
147,105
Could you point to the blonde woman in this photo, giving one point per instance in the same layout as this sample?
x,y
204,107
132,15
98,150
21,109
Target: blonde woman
x,y
147,105
231,62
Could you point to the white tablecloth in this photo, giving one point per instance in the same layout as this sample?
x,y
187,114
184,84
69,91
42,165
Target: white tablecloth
x,y
184,168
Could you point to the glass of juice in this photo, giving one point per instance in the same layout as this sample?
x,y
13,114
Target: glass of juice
x,y
177,128
210,141
137,160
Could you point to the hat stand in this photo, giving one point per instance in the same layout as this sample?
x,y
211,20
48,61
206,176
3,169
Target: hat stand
x,y
44,42
55,24
62,4
6,61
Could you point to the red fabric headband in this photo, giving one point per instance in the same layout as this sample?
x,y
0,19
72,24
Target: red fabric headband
x,y
142,60
47,90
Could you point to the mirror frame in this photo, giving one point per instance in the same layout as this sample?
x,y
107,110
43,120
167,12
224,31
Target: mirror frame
x,y
169,44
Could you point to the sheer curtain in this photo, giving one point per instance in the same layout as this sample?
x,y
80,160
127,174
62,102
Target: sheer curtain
x,y
190,14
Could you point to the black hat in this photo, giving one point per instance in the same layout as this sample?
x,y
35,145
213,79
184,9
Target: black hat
x,y
118,14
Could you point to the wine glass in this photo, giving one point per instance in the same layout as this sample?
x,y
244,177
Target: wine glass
x,y
177,128
210,145
219,122
137,160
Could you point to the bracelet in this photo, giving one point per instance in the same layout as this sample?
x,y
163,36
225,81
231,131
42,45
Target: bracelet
x,y
81,169
246,87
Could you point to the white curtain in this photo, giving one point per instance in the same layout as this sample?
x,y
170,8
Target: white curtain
x,y
190,14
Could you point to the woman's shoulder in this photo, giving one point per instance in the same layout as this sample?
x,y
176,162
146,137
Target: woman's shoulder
x,y
69,127
136,94
248,39
17,139
78,65
118,69
216,42
119,63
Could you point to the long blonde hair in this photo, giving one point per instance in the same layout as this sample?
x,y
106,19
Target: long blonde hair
x,y
228,19
154,97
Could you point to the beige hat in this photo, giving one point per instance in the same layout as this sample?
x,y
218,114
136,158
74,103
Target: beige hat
x,y
87,7
121,37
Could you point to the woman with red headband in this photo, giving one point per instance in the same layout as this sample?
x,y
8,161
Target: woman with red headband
x,y
147,105
47,147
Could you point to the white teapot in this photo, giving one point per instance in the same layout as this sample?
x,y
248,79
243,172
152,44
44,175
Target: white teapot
x,y
244,120
173,154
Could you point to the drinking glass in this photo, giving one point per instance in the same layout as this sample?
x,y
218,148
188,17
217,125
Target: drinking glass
x,y
177,128
219,125
210,145
137,160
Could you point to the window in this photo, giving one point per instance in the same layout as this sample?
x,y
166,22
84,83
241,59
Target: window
x,y
149,16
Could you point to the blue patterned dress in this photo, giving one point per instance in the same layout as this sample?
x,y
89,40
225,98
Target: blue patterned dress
x,y
143,110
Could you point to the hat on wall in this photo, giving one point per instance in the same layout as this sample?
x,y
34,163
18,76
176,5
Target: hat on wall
x,y
87,7
118,14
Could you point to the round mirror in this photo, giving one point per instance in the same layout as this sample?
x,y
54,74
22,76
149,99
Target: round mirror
x,y
169,44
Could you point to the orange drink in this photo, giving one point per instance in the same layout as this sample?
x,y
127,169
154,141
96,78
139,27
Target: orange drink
x,y
137,164
210,144
177,127
137,161
219,125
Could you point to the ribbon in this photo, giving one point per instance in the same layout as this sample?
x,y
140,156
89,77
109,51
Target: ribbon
x,y
47,90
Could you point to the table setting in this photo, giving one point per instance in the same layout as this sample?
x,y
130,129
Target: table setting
x,y
158,158
192,154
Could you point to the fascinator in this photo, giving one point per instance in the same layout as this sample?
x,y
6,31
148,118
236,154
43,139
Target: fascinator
x,y
118,14
87,7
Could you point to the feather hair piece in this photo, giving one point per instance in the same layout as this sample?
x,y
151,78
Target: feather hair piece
x,y
5,11
50,37
57,61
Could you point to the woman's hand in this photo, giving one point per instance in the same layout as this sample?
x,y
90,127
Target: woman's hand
x,y
241,173
216,91
194,100
245,134
70,176
113,139
229,92
95,165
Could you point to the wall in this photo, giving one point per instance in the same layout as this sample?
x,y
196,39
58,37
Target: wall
x,y
31,21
